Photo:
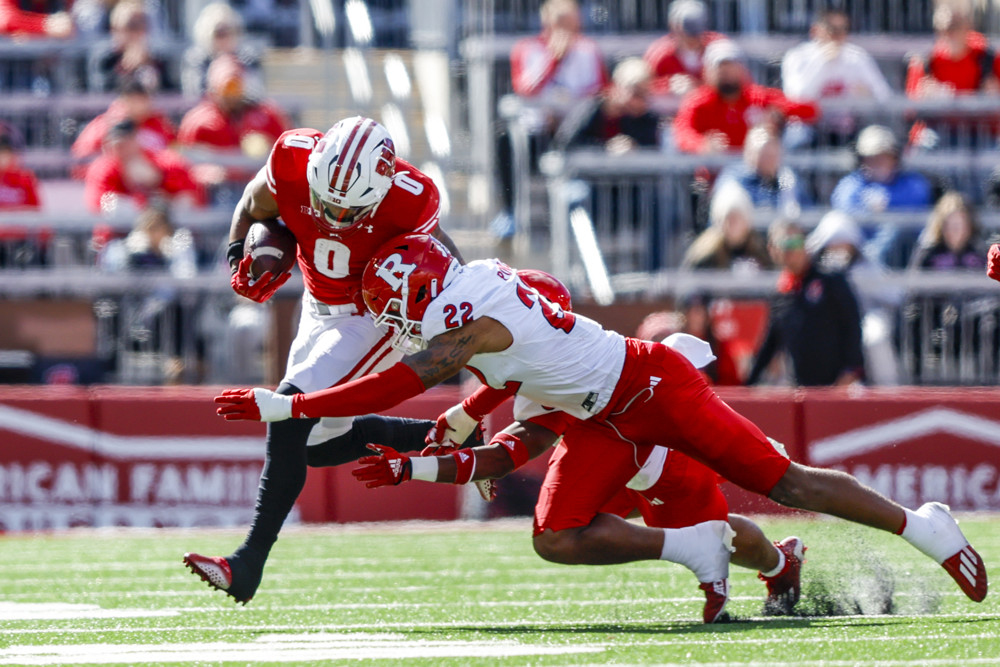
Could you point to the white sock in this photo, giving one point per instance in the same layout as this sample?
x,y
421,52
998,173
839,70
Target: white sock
x,y
933,531
779,567
703,548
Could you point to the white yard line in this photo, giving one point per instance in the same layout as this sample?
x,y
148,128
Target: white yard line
x,y
282,648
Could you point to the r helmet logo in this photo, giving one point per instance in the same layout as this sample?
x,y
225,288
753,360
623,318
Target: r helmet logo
x,y
394,271
401,280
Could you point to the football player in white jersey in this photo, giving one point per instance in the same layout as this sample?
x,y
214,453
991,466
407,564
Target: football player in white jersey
x,y
669,491
625,396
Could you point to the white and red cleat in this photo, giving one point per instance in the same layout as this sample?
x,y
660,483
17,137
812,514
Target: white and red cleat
x,y
215,570
784,588
487,489
942,540
969,572
716,598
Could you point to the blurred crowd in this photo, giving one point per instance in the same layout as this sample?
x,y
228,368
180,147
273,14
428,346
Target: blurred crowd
x,y
830,331
133,155
138,162
722,111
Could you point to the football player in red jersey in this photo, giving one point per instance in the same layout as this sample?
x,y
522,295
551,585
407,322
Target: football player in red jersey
x,y
621,396
343,194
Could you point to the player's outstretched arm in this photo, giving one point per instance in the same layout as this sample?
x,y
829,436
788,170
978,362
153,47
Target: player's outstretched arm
x,y
507,451
444,357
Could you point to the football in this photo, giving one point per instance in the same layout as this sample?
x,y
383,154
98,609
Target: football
x,y
272,247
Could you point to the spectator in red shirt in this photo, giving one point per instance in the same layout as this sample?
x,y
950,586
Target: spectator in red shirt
x,y
18,185
153,129
17,21
554,69
960,62
228,123
128,171
227,118
677,58
560,62
715,118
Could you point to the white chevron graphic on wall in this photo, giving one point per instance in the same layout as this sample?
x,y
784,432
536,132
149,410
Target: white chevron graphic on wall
x,y
187,448
918,424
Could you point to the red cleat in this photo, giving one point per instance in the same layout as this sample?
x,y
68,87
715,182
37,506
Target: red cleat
x,y
215,570
716,597
942,540
968,570
784,588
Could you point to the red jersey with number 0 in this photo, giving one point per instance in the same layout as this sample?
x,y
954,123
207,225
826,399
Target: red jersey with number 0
x,y
332,263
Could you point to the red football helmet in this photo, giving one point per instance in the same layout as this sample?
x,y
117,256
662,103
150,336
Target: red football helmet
x,y
548,286
400,281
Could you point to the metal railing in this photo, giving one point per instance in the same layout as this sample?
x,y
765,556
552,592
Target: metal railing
x,y
643,204
944,328
153,328
730,16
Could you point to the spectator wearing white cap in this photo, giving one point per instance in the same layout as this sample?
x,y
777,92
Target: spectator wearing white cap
x,y
716,117
836,245
676,59
730,241
879,184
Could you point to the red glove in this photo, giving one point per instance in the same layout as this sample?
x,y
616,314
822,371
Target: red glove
x,y
259,290
389,467
993,262
255,404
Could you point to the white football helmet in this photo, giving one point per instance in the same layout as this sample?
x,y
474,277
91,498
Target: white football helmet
x,y
349,172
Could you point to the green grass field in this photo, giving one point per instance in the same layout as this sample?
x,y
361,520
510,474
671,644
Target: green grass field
x,y
475,593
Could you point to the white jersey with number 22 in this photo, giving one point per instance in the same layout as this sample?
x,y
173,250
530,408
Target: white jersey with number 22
x,y
558,359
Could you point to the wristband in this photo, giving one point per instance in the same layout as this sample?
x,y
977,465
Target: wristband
x,y
234,254
465,465
512,444
424,468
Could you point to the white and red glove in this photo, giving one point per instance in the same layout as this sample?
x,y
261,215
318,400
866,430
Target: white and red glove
x,y
387,468
255,404
259,290
452,428
993,262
